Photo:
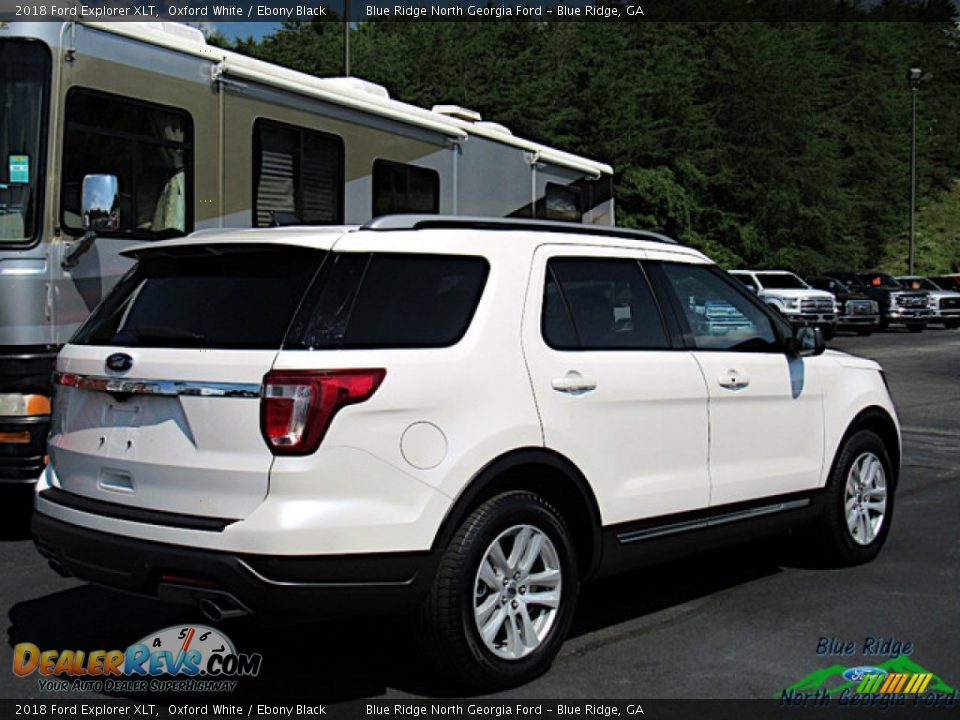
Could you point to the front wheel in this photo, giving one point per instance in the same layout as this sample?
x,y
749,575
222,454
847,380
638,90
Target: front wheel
x,y
858,503
865,332
916,327
951,324
504,595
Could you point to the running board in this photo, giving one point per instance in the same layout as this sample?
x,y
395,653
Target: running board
x,y
707,522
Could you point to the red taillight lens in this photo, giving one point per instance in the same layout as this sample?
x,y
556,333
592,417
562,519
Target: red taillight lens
x,y
297,405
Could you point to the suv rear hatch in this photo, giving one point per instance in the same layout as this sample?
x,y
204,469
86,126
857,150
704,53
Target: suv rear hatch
x,y
157,401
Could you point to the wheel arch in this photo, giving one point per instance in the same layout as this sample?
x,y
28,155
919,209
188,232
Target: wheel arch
x,y
879,421
550,475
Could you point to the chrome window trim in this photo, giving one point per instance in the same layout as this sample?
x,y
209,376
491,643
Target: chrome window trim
x,y
168,388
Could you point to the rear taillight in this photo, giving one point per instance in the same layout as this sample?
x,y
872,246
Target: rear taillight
x,y
297,405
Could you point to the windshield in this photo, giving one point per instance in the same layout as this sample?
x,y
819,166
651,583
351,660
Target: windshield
x,y
918,283
781,281
880,280
24,81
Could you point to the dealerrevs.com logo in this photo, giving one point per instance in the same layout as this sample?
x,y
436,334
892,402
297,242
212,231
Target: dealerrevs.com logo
x,y
191,658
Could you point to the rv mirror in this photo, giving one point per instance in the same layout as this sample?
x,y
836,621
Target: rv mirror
x,y
100,202
100,208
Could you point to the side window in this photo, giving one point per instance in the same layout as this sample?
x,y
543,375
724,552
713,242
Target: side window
x,y
150,150
718,313
563,203
389,300
297,176
600,304
399,188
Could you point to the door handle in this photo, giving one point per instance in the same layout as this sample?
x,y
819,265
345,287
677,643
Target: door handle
x,y
573,384
733,380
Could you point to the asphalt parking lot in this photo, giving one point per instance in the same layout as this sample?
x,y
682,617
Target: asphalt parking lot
x,y
743,623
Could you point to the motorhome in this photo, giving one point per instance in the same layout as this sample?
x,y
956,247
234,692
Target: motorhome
x,y
113,134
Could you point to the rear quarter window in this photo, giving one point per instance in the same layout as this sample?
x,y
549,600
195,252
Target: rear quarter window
x,y
389,300
210,297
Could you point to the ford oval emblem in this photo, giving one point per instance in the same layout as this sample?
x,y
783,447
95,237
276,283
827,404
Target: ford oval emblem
x,y
119,362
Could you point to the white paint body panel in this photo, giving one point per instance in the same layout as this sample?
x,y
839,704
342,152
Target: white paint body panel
x,y
657,436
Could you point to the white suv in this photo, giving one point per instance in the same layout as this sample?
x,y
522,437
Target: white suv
x,y
465,418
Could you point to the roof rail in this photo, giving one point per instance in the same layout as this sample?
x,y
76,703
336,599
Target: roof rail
x,y
422,222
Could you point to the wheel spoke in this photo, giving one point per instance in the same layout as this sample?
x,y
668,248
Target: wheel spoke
x,y
489,576
549,577
547,598
864,528
520,545
530,638
498,559
532,553
490,629
878,505
852,517
514,643
485,609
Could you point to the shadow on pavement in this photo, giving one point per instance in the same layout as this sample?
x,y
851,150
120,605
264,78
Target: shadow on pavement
x,y
349,659
16,506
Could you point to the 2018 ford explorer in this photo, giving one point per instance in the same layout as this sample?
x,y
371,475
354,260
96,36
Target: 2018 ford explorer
x,y
461,418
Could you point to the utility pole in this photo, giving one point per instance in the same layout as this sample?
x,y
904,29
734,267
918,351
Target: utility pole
x,y
346,38
915,76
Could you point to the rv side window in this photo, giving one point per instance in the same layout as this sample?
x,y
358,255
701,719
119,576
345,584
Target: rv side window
x,y
147,146
399,188
563,203
297,176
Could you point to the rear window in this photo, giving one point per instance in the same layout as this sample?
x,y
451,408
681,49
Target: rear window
x,y
388,300
217,297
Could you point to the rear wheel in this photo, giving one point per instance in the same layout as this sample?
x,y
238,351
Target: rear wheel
x,y
951,324
864,332
504,595
916,327
859,503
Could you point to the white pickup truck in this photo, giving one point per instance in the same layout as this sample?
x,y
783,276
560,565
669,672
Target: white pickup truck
x,y
793,298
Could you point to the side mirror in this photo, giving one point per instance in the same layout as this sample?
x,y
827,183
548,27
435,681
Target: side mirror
x,y
100,202
100,209
807,341
751,287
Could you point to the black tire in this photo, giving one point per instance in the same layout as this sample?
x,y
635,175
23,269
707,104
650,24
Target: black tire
x,y
884,325
864,332
828,332
831,542
448,633
916,327
951,324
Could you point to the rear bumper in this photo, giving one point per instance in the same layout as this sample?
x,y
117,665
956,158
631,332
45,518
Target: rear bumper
x,y
291,587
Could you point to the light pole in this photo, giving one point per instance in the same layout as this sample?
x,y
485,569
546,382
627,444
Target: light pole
x,y
915,76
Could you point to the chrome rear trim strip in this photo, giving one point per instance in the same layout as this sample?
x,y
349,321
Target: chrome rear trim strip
x,y
131,386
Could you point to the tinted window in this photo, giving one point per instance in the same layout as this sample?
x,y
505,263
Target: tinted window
x,y
719,314
610,303
399,188
390,301
297,176
781,281
239,297
148,147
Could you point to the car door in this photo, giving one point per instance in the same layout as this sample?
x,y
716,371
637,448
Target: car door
x,y
615,396
766,407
